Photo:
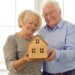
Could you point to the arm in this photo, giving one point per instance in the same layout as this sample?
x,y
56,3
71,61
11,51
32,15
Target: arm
x,y
67,55
18,64
10,55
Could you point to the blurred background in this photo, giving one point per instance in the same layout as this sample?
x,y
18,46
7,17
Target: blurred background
x,y
9,11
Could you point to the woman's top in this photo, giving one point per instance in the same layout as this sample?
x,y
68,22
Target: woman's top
x,y
14,49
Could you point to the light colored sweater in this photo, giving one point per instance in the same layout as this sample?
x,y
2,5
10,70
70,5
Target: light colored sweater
x,y
15,48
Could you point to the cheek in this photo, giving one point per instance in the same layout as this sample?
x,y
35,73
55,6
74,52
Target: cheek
x,y
57,16
54,19
25,28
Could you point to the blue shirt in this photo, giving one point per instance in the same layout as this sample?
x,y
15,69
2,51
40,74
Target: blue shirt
x,y
62,39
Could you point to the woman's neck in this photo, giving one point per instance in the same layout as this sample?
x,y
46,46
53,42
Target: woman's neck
x,y
24,35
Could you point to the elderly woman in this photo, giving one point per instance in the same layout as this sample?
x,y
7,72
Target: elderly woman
x,y
15,48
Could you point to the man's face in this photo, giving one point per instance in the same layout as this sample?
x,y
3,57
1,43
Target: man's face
x,y
52,15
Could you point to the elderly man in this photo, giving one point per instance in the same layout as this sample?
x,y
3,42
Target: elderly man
x,y
60,36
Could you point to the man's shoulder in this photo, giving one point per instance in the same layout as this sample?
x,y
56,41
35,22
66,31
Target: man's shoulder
x,y
42,31
42,28
69,24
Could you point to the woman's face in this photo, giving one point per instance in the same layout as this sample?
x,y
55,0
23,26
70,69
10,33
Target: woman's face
x,y
31,25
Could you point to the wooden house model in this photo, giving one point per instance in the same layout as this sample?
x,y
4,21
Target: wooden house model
x,y
37,48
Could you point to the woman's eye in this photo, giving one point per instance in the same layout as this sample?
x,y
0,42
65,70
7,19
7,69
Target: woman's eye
x,y
31,23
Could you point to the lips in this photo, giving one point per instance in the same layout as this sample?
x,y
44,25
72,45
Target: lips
x,y
31,29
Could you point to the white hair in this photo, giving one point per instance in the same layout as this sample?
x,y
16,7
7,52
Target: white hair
x,y
27,15
51,2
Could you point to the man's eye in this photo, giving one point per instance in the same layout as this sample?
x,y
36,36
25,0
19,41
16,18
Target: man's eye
x,y
35,25
45,15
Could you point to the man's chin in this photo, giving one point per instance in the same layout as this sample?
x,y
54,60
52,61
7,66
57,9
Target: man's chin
x,y
51,25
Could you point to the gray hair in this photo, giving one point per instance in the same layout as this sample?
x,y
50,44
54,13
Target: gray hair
x,y
48,2
28,14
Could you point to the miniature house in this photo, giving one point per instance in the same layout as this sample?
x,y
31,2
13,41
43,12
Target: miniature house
x,y
37,48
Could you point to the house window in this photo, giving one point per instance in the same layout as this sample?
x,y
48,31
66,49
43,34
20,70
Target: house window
x,y
33,50
41,50
37,41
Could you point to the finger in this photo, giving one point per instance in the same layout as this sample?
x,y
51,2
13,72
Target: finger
x,y
49,51
27,55
52,56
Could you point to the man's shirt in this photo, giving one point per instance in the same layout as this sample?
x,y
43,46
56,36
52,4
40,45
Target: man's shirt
x,y
62,39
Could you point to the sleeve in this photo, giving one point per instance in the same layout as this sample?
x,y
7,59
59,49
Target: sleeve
x,y
67,55
10,53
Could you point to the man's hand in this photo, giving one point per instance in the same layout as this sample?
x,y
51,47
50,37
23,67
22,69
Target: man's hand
x,y
51,55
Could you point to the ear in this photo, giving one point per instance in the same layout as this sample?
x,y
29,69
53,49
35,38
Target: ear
x,y
22,23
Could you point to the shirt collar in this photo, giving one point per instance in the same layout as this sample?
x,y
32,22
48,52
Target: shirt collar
x,y
60,24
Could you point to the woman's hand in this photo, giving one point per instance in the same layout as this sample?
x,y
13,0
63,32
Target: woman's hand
x,y
51,56
27,59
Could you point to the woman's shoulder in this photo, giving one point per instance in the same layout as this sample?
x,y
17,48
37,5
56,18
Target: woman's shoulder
x,y
10,41
12,37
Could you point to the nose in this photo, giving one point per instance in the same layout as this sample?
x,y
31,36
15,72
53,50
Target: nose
x,y
33,26
48,16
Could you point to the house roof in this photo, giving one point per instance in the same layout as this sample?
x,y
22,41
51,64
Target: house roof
x,y
40,38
